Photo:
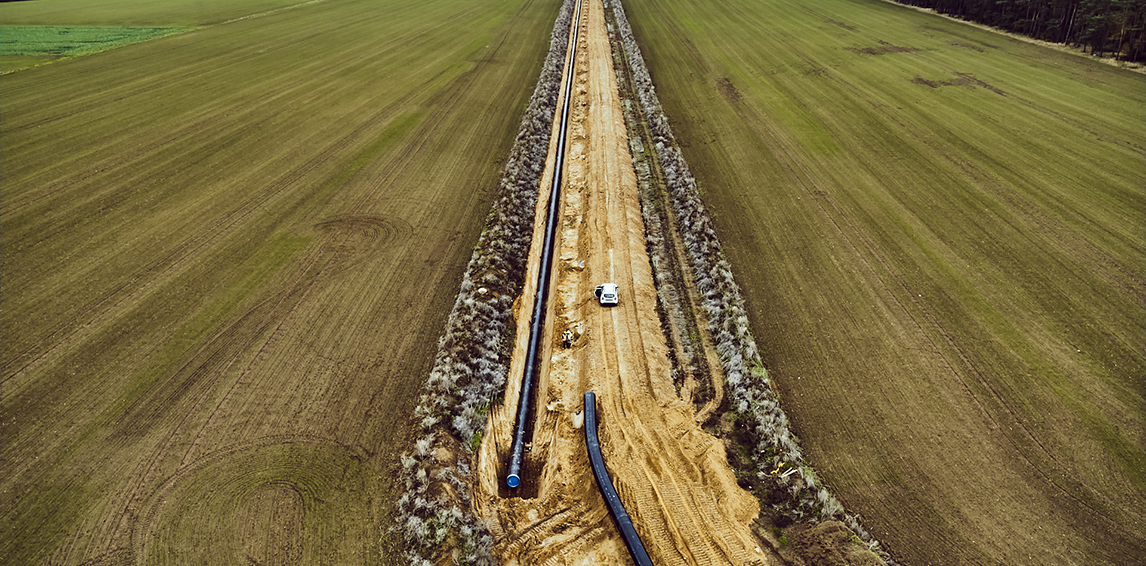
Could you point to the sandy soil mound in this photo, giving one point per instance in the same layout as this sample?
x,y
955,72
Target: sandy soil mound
x,y
673,477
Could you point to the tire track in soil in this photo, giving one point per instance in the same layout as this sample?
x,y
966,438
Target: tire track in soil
x,y
991,405
200,375
147,87
203,374
708,359
325,257
333,251
777,146
146,522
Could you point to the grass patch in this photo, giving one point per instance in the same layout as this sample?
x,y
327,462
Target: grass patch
x,y
24,47
138,12
73,41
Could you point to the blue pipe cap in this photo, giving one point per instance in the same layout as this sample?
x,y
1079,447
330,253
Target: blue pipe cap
x,y
512,480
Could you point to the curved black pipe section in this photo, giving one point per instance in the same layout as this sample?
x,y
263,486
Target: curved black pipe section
x,y
624,523
541,300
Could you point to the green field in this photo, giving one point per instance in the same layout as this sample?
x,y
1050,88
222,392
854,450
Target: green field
x,y
940,233
72,41
227,257
139,12
24,47
44,31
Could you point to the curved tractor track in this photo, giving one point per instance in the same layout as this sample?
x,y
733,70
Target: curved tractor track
x,y
672,477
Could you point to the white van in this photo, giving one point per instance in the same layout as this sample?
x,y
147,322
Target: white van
x,y
607,294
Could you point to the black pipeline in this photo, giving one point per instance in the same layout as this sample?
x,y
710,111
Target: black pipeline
x,y
541,299
624,523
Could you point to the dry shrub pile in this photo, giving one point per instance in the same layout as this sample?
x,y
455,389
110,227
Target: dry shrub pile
x,y
435,517
779,466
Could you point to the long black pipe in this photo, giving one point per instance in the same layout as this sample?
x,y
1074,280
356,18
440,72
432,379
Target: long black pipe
x,y
624,523
540,301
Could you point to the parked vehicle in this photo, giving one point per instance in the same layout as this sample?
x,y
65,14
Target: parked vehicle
x,y
606,294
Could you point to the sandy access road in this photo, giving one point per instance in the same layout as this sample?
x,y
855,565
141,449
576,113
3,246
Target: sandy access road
x,y
672,476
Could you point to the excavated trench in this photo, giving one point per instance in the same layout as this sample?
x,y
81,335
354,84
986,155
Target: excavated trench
x,y
672,476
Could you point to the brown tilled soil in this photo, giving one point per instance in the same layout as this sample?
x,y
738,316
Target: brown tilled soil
x,y
227,259
672,476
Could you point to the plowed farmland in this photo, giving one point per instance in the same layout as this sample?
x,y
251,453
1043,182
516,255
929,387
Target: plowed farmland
x,y
939,234
227,258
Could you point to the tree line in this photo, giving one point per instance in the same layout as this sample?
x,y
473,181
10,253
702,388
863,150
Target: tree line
x,y
1113,28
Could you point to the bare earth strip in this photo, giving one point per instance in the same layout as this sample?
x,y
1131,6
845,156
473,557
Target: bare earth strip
x,y
673,477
